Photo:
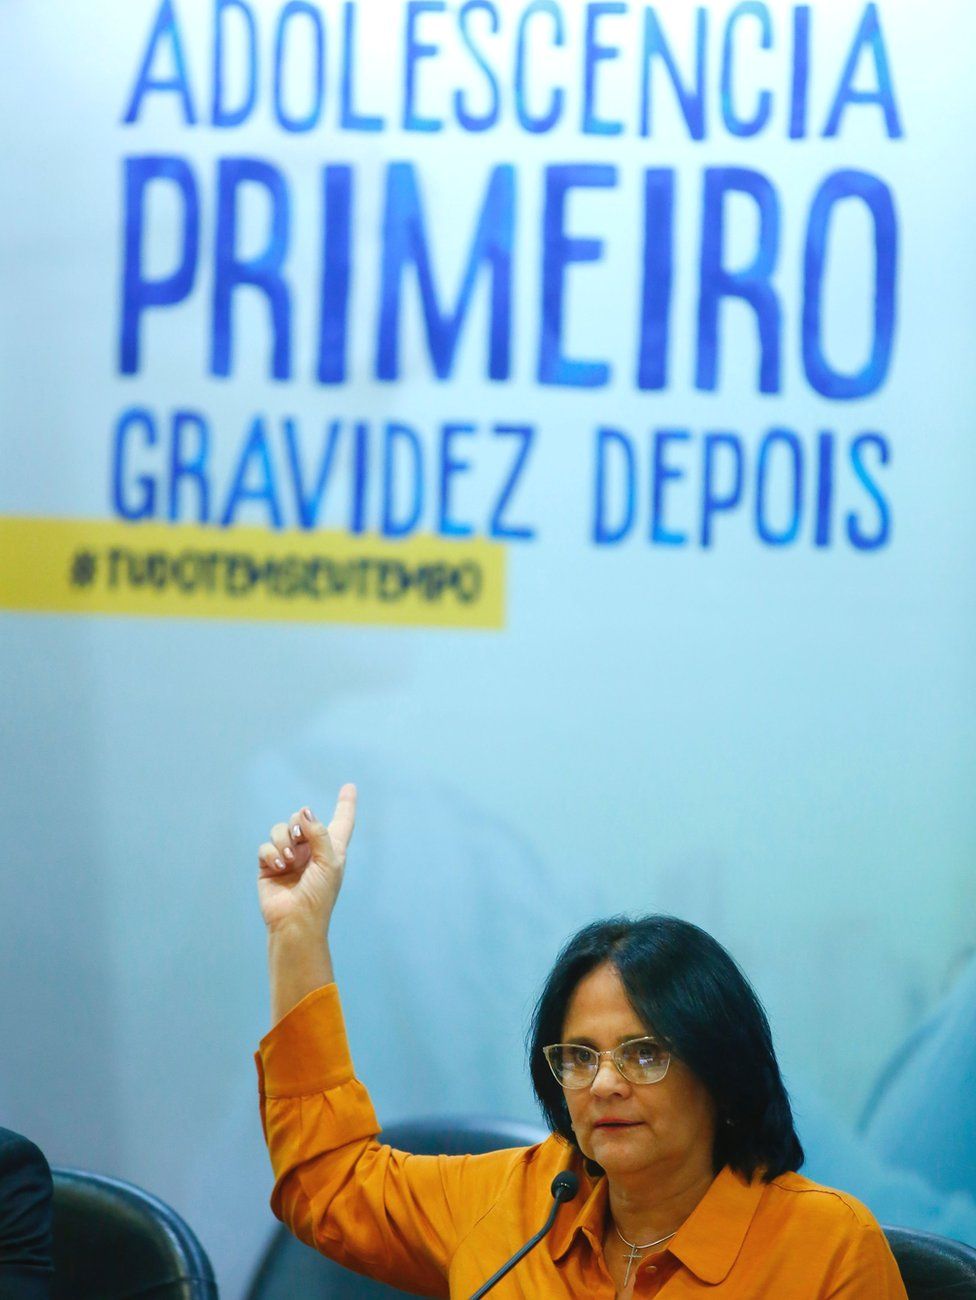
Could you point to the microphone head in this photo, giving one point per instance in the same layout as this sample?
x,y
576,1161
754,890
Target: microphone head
x,y
565,1186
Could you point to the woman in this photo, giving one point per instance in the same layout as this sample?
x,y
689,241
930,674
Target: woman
x,y
653,1063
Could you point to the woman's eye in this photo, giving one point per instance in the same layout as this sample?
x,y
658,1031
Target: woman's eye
x,y
575,1057
644,1054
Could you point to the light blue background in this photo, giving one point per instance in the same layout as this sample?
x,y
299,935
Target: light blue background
x,y
777,745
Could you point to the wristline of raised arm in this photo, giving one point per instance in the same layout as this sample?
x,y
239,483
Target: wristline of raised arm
x,y
299,962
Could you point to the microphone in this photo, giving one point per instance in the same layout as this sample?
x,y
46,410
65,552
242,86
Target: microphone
x,y
564,1187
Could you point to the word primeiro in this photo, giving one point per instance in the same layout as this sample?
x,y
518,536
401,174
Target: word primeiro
x,y
247,195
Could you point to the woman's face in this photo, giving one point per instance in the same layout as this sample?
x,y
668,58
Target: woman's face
x,y
627,1128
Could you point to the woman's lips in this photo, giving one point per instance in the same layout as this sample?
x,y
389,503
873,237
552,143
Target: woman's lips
x,y
616,1123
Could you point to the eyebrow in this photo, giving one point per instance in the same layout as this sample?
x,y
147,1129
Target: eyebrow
x,y
580,1040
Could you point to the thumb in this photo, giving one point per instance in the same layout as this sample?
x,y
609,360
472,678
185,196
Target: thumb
x,y
340,828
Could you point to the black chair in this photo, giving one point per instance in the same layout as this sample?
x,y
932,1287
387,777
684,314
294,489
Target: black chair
x,y
291,1269
113,1241
933,1268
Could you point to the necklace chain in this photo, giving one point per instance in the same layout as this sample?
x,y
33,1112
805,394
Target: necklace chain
x,y
636,1246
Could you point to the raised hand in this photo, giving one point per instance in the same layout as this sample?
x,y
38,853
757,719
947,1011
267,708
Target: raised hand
x,y
301,866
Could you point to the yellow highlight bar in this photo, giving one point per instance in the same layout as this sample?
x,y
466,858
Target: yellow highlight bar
x,y
95,566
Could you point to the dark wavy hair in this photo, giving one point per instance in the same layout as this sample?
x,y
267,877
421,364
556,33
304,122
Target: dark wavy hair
x,y
687,989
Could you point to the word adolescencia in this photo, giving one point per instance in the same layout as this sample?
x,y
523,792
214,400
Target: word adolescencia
x,y
538,66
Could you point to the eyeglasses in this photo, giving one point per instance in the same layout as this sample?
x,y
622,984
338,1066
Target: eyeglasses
x,y
639,1060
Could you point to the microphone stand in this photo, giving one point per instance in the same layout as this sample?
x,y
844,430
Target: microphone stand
x,y
564,1188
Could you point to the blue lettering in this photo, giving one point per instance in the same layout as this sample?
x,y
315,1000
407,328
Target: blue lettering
x,y
263,271
825,488
738,125
135,419
309,504
415,51
782,438
468,120
662,474
220,114
751,283
164,29
336,262
658,261
450,467
405,243
691,102
256,455
314,111
406,437
360,479
603,531
559,252
868,37
349,119
595,53
538,125
801,72
524,433
869,541
714,502
138,292
186,464
876,195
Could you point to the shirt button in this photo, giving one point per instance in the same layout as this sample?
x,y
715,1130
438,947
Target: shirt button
x,y
652,1268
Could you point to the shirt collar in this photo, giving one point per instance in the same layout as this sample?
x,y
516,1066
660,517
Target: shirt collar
x,y
588,1218
707,1242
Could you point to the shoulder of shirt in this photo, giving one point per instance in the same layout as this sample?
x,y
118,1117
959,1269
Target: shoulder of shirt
x,y
539,1163
529,1170
826,1203
17,1151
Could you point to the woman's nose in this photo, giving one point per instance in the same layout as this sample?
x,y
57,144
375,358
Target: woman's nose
x,y
608,1079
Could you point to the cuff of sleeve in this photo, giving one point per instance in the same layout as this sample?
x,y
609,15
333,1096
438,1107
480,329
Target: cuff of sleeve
x,y
307,1050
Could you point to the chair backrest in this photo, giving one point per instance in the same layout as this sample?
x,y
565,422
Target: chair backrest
x,y
113,1241
290,1268
933,1268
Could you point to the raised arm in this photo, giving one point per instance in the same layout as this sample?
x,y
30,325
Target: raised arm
x,y
299,877
390,1215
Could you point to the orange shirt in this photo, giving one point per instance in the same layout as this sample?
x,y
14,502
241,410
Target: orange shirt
x,y
441,1225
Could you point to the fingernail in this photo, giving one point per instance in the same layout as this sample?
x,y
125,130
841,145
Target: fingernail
x,y
296,832
288,855
307,814
279,864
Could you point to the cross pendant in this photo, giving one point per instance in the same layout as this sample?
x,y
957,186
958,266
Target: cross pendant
x,y
634,1254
